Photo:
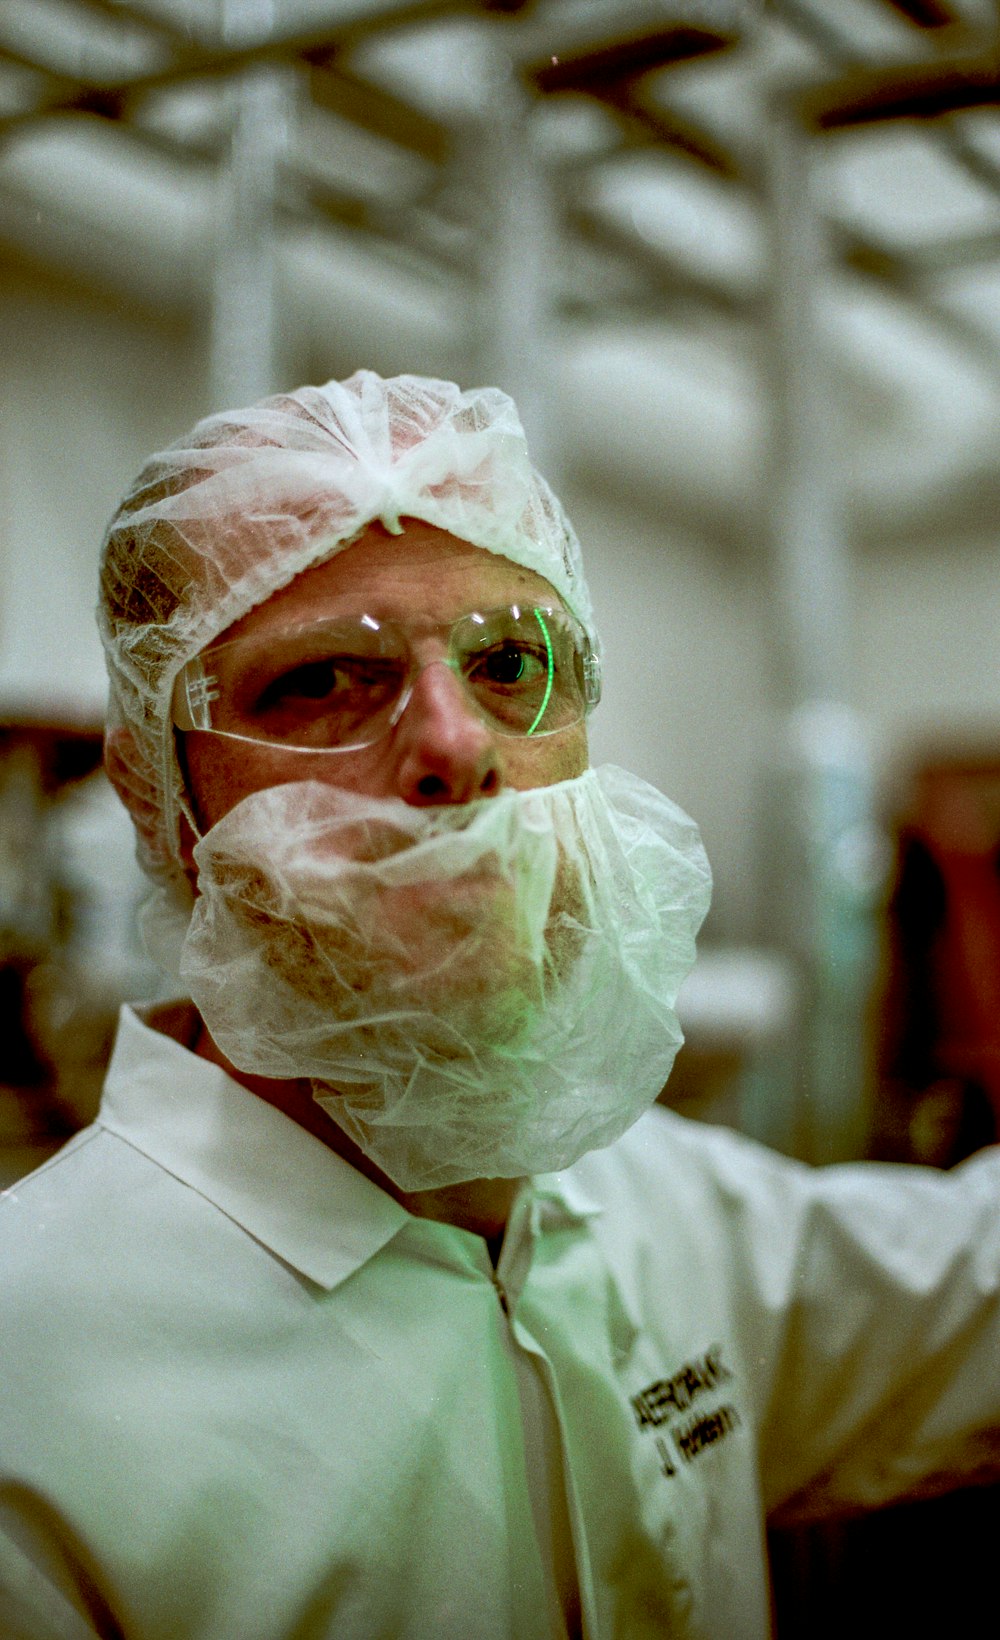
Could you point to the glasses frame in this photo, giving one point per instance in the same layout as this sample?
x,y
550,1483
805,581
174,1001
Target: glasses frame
x,y
193,690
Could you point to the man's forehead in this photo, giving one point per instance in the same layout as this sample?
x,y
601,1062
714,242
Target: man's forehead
x,y
422,572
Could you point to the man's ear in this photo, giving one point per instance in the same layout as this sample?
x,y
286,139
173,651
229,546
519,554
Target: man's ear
x,y
126,769
186,834
187,839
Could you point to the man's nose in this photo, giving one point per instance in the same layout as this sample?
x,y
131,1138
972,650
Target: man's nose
x,y
447,753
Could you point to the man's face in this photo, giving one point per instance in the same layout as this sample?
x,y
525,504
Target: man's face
x,y
440,750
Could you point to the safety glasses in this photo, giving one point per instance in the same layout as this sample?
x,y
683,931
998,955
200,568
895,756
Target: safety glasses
x,y
339,685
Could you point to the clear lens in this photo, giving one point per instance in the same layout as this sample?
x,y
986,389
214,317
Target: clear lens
x,y
341,684
519,666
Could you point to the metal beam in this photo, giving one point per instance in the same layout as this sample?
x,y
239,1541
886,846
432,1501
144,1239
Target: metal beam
x,y
666,278
926,13
313,46
614,74
342,92
907,91
601,70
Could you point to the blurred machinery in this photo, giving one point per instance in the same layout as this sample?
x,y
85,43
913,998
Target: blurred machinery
x,y
940,1049
68,948
33,917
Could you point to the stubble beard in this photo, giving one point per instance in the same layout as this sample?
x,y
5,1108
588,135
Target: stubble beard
x,y
440,969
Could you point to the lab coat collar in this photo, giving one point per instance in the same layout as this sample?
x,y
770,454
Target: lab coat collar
x,y
289,1191
562,1200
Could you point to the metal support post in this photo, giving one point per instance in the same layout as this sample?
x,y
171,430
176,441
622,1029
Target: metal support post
x,y
245,361
824,846
510,321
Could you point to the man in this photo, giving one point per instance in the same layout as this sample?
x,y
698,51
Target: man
x,y
376,1302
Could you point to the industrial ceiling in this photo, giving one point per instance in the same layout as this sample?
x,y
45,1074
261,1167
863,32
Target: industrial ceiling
x,y
720,189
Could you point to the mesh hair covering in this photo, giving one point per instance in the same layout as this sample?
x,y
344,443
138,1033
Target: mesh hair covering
x,y
229,514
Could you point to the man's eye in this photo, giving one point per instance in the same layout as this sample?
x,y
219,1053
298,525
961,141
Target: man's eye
x,y
508,664
333,679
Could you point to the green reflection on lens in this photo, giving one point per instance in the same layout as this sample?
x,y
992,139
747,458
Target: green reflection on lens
x,y
549,679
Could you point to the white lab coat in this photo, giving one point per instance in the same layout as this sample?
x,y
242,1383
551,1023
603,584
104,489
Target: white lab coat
x,y
247,1397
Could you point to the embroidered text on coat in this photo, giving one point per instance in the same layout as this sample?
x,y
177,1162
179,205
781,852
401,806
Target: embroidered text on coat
x,y
668,1400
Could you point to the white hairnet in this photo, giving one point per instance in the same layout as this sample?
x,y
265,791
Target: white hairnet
x,y
226,516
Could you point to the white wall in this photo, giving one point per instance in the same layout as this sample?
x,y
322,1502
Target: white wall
x,y
87,393
927,643
686,697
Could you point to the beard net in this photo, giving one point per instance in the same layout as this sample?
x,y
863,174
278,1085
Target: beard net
x,y
474,991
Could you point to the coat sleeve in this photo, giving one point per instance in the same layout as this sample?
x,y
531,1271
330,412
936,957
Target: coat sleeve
x,y
878,1313
32,1607
46,1590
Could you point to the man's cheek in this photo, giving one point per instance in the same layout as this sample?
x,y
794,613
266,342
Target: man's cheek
x,y
548,761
